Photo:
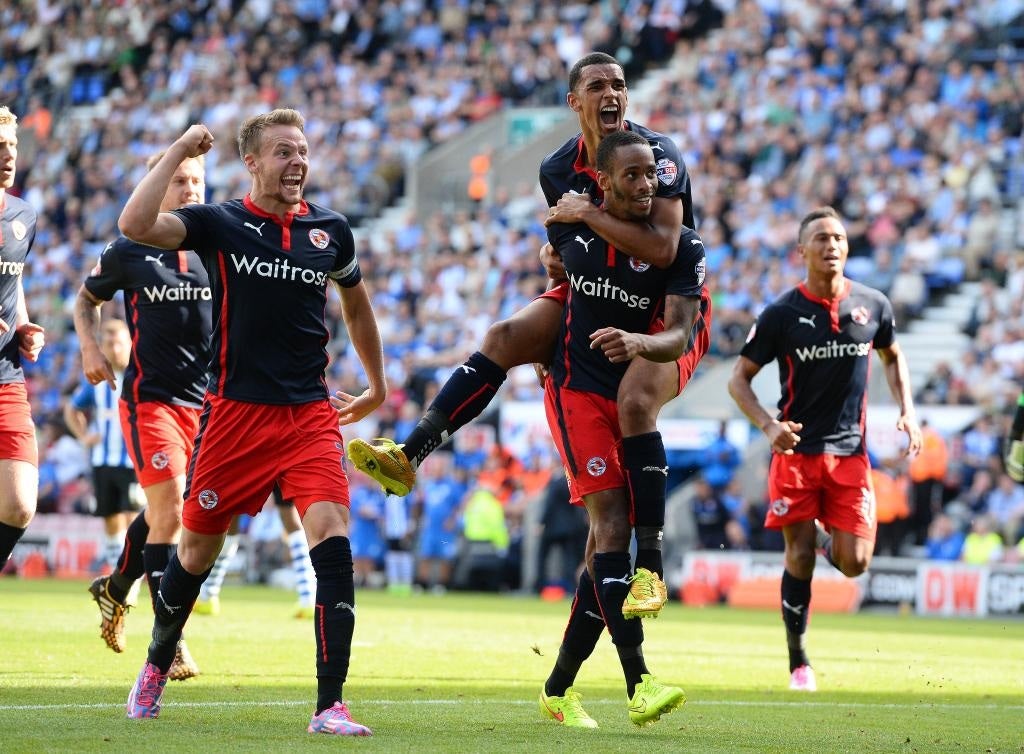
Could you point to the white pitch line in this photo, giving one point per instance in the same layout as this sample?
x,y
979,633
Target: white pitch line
x,y
481,702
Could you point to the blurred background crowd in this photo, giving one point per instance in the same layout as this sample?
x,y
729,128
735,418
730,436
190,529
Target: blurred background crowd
x,y
904,114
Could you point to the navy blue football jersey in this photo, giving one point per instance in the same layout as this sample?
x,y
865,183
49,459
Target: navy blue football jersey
x,y
565,170
17,233
608,288
269,279
168,306
823,347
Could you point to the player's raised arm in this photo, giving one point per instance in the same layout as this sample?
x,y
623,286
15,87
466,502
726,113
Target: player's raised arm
x,y
141,219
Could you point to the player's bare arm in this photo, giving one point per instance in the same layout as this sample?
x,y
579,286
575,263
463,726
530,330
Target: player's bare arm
x,y
655,241
898,376
78,425
141,219
362,328
781,434
619,346
87,323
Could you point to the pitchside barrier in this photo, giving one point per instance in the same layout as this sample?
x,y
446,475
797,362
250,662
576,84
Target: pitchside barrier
x,y
745,579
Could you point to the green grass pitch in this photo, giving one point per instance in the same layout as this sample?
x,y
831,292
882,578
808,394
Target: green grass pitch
x,y
461,673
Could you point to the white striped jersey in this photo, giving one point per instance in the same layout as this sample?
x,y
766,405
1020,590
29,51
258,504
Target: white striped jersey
x,y
100,402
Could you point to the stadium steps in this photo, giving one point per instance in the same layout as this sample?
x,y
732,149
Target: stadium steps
x,y
936,336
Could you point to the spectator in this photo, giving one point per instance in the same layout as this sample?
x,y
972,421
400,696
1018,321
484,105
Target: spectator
x,y
983,545
1006,507
563,530
716,527
945,540
927,473
720,460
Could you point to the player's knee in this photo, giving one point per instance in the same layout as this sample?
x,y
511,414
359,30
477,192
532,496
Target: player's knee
x,y
497,335
800,562
19,513
854,564
638,411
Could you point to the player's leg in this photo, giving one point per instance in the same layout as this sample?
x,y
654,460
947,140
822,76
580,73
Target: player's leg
x,y
796,600
1013,456
849,511
649,699
177,592
795,493
19,485
527,337
313,477
19,467
298,551
558,699
209,596
585,430
645,388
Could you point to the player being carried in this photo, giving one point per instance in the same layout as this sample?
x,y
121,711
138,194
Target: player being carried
x,y
598,96
821,333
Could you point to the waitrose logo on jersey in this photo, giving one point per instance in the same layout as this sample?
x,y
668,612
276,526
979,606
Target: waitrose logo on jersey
x,y
833,350
181,292
604,288
279,269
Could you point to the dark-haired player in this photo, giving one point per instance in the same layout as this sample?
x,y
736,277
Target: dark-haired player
x,y
598,96
821,333
19,339
168,309
267,418
619,310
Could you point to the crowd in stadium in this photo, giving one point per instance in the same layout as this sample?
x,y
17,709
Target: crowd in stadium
x,y
905,116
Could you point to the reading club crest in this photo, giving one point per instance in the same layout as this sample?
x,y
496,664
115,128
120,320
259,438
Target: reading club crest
x,y
319,238
638,265
18,229
861,315
208,499
596,466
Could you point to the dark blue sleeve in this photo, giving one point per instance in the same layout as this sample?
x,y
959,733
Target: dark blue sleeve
x,y
106,278
886,334
763,344
201,222
346,270
686,274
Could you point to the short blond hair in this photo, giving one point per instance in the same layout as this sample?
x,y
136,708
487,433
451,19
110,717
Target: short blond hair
x,y
154,159
250,133
7,118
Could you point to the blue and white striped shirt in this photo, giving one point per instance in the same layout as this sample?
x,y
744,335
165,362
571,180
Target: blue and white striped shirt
x,y
101,402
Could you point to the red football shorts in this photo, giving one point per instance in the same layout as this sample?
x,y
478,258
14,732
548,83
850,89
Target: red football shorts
x,y
836,490
160,437
243,449
17,431
585,428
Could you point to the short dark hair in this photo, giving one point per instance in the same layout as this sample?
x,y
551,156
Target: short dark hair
x,y
594,58
610,143
815,214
